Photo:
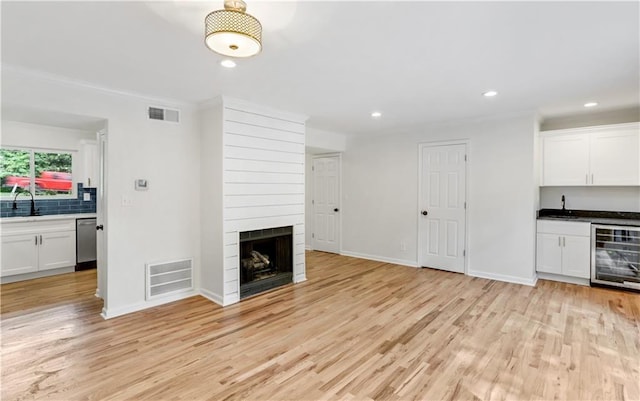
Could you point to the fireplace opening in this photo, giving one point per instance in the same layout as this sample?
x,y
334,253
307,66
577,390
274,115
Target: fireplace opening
x,y
266,259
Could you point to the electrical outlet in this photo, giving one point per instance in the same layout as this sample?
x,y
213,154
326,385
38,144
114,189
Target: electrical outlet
x,y
126,201
86,196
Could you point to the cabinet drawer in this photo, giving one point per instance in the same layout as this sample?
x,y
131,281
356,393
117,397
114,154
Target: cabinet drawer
x,y
580,228
38,227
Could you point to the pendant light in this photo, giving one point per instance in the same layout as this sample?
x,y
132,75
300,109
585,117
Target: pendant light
x,y
232,32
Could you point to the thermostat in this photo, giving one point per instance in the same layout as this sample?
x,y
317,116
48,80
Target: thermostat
x,y
142,185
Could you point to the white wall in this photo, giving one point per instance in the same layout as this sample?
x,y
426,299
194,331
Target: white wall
x,y
163,223
320,141
15,133
380,195
211,271
620,199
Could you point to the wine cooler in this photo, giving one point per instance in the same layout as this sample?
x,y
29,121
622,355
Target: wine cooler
x,y
615,256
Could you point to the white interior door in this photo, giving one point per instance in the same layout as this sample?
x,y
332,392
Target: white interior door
x,y
326,204
442,207
101,217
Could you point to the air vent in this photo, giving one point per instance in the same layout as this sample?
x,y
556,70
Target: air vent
x,y
168,278
157,113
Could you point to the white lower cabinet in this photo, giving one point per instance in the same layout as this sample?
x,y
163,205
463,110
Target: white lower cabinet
x,y
31,247
19,254
57,249
563,248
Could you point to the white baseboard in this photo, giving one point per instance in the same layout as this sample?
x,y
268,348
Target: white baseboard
x,y
402,262
564,279
109,313
503,277
308,248
215,298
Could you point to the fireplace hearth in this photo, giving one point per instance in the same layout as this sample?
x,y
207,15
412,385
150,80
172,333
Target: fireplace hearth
x,y
266,259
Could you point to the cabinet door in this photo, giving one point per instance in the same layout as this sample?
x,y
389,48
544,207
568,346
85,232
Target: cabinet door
x,y
57,249
615,157
19,254
576,256
548,253
565,160
90,165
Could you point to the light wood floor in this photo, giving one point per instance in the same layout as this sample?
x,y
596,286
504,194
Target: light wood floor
x,y
356,330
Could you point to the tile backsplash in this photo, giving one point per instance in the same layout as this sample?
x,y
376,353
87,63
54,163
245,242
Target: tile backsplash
x,y
51,206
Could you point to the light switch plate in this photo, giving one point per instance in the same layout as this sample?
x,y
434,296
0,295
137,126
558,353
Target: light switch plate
x,y
86,196
126,201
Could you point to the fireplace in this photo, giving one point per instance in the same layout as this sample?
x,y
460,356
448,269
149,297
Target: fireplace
x,y
266,259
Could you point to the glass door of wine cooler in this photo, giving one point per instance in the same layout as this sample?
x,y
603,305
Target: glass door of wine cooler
x,y
615,256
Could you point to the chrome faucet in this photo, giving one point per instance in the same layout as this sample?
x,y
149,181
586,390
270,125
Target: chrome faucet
x,y
563,202
33,211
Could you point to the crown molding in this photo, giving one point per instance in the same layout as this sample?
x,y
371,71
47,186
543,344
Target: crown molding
x,y
64,80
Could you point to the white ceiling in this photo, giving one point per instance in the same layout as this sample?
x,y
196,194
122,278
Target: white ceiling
x,y
336,62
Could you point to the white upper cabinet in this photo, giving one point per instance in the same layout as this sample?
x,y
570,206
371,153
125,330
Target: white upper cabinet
x,y
89,164
615,157
565,159
601,156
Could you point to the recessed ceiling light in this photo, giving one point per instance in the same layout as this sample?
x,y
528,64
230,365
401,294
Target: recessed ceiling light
x,y
591,104
376,114
228,63
489,93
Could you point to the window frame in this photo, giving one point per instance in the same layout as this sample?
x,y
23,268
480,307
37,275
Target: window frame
x,y
32,171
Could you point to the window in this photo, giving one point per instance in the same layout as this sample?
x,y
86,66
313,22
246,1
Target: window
x,y
45,173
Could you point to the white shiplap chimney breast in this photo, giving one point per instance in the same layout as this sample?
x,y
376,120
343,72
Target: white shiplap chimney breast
x,y
261,183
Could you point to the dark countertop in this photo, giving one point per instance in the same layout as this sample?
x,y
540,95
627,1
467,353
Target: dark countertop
x,y
592,216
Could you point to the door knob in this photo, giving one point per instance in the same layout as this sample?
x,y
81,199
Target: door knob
x,y
424,213
336,210
100,227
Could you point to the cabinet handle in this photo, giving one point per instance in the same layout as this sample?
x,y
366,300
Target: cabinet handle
x,y
559,241
41,240
564,241
88,181
36,240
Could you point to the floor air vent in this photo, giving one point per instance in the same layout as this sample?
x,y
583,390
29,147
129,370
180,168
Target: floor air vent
x,y
158,113
168,278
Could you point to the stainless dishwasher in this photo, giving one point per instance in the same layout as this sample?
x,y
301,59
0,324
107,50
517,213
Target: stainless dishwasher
x,y
85,243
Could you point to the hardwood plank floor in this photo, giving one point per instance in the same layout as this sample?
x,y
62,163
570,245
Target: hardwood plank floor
x,y
356,330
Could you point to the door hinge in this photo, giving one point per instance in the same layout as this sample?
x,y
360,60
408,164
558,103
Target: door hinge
x,y
313,168
465,205
465,157
313,235
313,202
464,252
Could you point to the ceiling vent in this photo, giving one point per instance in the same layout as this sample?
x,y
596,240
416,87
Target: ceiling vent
x,y
158,113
